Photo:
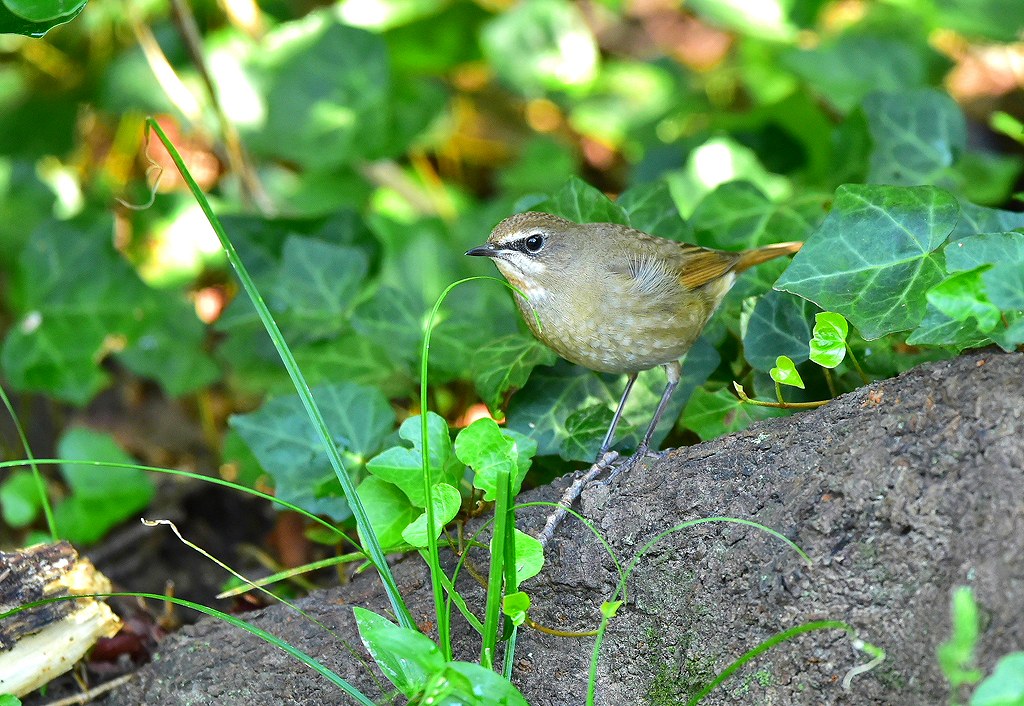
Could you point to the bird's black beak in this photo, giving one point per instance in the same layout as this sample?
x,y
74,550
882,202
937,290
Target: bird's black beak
x,y
482,251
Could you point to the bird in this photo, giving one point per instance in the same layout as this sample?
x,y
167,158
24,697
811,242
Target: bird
x,y
615,299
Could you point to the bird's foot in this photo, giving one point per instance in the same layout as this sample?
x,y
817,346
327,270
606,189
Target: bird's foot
x,y
628,463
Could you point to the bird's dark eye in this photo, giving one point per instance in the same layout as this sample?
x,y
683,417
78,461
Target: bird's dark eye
x,y
534,243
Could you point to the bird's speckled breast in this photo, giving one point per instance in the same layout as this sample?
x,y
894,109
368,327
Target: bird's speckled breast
x,y
617,333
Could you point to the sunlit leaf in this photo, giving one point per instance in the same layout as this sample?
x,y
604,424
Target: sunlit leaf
x,y
407,658
828,344
542,45
447,502
785,373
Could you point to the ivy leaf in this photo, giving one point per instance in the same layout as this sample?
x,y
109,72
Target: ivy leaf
x,y
737,215
100,497
78,301
828,345
286,445
711,414
505,364
875,256
962,296
316,284
447,502
976,219
847,69
1003,254
170,350
918,135
779,325
580,202
585,428
651,208
541,46
785,373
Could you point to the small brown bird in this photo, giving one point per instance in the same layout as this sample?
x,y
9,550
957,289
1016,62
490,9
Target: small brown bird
x,y
615,299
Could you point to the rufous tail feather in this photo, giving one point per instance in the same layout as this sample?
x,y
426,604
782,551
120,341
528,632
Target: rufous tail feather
x,y
756,256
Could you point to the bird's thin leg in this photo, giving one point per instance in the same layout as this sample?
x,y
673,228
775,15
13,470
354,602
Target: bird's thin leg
x,y
674,372
609,437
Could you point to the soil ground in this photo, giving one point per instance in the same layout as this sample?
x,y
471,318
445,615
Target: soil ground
x,y
899,492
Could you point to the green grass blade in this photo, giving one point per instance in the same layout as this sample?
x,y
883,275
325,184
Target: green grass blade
x,y
196,476
44,500
373,548
441,607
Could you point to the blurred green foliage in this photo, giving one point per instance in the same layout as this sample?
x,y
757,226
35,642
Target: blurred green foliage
x,y
355,150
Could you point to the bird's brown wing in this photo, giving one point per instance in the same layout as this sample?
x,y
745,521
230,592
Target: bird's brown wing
x,y
696,266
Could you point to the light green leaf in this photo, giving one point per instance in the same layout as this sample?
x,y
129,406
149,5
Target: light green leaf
x,y
1005,686
828,346
956,655
515,606
403,465
447,502
467,684
785,373
766,19
610,608
1003,253
407,657
962,296
718,161
489,450
541,45
388,508
19,499
875,256
529,556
